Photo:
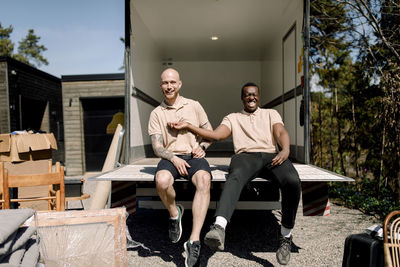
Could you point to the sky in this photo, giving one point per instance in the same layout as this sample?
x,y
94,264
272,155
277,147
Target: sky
x,y
81,36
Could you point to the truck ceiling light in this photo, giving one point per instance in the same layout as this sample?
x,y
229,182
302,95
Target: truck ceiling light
x,y
214,38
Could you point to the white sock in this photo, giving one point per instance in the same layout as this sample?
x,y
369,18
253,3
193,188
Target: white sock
x,y
221,221
175,218
286,232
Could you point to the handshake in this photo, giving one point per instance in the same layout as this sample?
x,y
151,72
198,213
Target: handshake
x,y
180,125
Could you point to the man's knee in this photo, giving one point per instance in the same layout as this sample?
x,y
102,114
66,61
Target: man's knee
x,y
293,182
164,180
202,181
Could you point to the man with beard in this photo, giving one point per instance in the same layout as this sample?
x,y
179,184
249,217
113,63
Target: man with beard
x,y
254,131
182,155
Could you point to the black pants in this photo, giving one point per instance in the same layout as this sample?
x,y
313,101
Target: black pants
x,y
244,167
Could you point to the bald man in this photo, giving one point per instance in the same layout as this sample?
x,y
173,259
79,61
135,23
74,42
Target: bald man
x,y
182,155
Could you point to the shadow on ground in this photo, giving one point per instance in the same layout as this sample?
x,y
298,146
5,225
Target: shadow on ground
x,y
248,233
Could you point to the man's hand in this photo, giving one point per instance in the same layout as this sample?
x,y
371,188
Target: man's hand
x,y
180,165
198,152
178,125
280,158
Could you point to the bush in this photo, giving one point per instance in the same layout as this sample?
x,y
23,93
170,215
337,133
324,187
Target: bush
x,y
365,196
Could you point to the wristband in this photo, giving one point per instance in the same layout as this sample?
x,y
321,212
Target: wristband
x,y
203,147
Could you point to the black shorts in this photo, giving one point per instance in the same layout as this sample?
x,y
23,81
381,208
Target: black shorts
x,y
196,164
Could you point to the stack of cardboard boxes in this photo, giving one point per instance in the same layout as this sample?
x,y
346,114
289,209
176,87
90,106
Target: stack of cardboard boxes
x,y
27,153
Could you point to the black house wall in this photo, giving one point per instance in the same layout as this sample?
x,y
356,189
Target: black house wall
x,y
28,83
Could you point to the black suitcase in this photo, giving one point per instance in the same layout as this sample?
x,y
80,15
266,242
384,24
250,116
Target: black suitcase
x,y
363,250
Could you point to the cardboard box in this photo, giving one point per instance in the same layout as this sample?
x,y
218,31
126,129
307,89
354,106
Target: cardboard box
x,y
27,167
26,147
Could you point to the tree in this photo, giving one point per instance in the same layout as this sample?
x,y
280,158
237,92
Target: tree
x,y
383,17
329,49
364,90
29,49
122,39
6,45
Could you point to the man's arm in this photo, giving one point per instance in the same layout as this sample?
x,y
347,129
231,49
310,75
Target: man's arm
x,y
200,151
160,151
204,142
282,137
222,131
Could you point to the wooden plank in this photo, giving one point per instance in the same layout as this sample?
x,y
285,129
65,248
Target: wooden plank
x,y
145,173
309,175
33,179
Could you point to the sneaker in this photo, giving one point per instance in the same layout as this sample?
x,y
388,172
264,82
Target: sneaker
x,y
192,252
215,238
283,252
175,226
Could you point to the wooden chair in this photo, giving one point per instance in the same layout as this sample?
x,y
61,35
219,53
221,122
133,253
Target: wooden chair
x,y
55,181
391,239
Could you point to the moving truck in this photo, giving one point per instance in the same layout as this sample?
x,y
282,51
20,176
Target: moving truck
x,y
217,46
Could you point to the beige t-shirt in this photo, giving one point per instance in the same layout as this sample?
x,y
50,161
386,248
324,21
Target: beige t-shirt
x,y
252,132
179,142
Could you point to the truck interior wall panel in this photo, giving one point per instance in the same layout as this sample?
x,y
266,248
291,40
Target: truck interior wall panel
x,y
217,84
146,60
279,108
271,73
146,66
289,119
289,62
140,113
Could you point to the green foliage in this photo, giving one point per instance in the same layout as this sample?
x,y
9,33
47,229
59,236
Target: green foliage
x,y
355,119
123,64
6,46
364,196
29,49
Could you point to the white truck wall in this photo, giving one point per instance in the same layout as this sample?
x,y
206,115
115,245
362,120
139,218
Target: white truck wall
x,y
271,72
146,68
271,67
272,82
217,86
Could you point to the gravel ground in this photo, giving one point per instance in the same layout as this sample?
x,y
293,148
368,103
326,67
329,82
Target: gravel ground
x,y
251,238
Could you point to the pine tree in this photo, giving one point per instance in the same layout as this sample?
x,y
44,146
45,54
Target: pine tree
x,y
6,45
29,49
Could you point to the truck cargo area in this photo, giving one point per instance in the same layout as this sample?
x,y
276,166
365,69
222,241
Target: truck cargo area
x,y
217,46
